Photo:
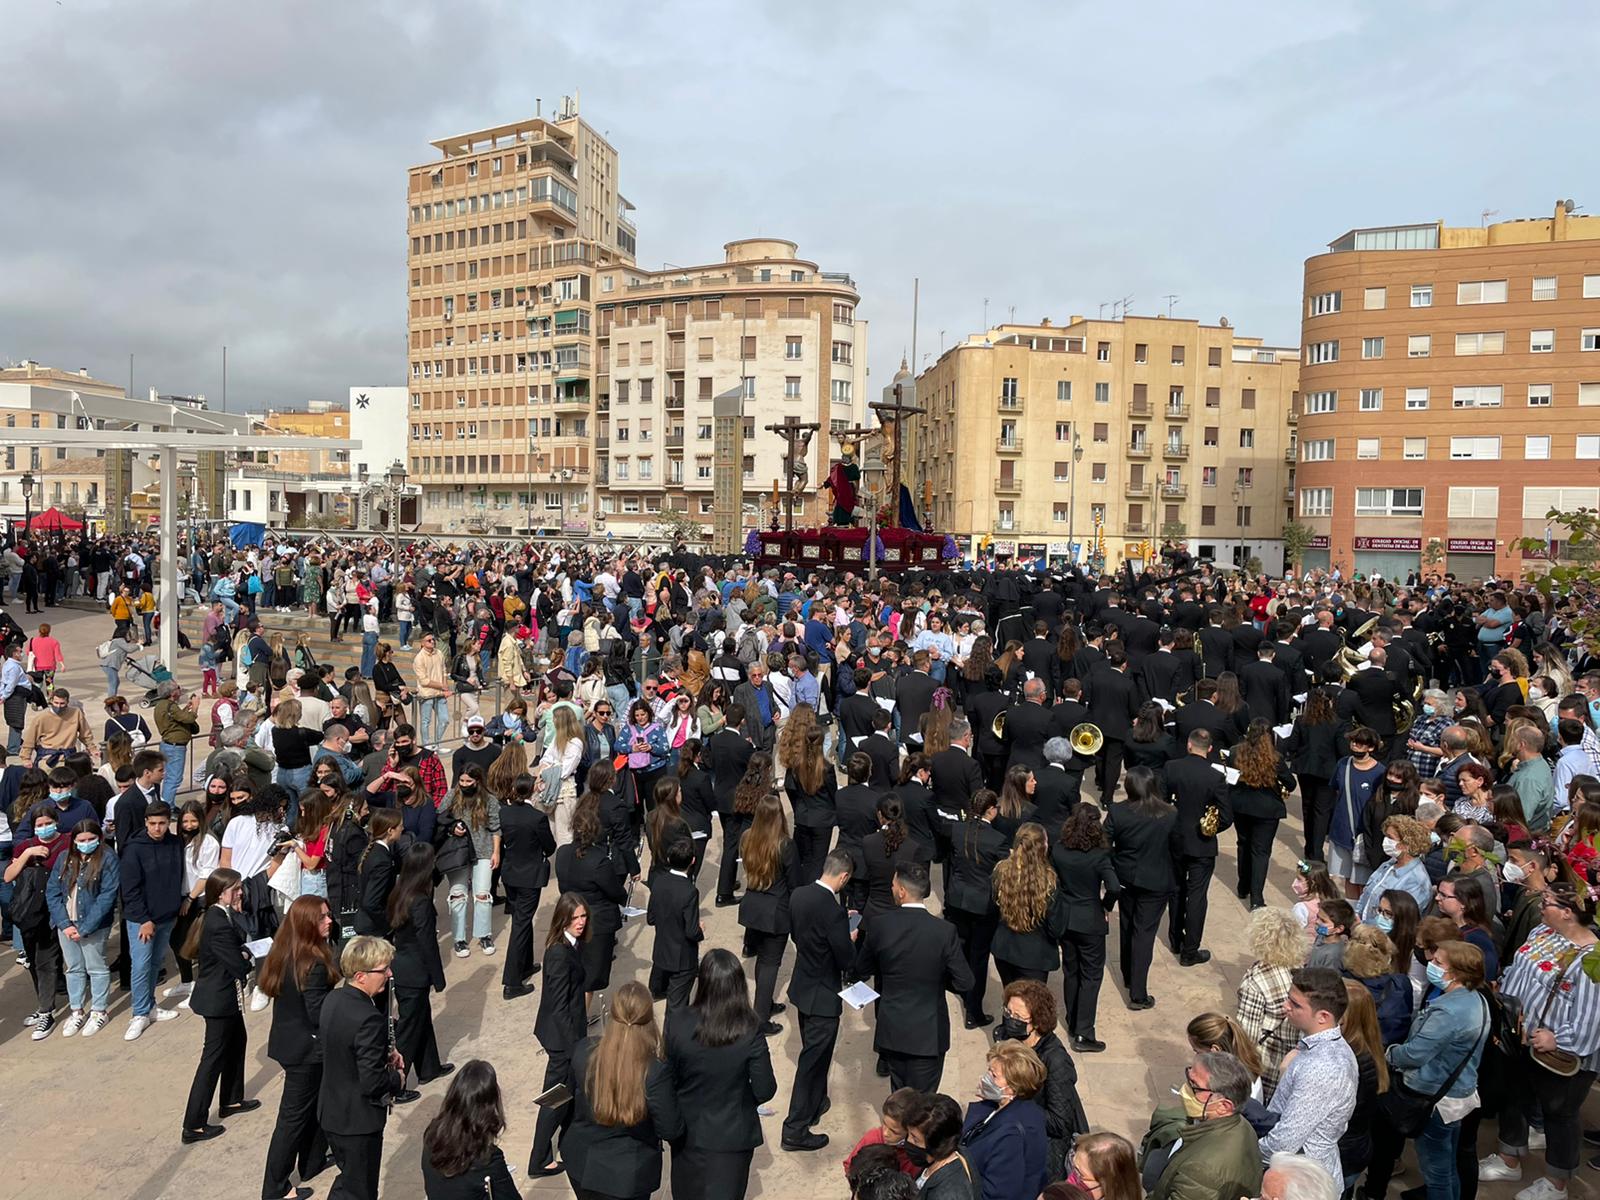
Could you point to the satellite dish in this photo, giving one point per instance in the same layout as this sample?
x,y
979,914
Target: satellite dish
x,y
1568,206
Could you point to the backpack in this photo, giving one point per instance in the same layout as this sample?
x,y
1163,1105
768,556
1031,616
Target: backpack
x,y
28,909
749,649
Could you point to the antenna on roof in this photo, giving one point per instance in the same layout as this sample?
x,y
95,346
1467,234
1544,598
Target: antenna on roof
x,y
1171,299
1483,217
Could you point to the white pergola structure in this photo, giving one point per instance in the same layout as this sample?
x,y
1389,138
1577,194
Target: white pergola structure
x,y
170,446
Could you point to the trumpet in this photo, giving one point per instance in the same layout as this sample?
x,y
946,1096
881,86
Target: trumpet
x,y
998,725
1086,738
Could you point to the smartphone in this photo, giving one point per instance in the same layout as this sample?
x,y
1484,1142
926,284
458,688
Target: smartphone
x,y
855,921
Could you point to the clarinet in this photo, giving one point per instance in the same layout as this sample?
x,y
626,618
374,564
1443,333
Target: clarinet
x,y
389,1100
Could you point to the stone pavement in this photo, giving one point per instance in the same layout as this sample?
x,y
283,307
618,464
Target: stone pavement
x,y
102,1117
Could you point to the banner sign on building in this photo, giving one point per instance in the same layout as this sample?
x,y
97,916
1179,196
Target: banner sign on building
x,y
1469,546
1388,543
1319,541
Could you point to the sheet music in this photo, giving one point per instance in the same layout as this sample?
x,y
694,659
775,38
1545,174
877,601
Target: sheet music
x,y
858,996
1283,731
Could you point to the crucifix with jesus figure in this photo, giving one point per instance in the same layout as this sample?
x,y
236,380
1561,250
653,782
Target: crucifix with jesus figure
x,y
797,436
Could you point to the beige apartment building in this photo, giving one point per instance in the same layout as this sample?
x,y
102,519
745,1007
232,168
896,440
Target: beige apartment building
x,y
763,321
506,230
1448,378
1174,430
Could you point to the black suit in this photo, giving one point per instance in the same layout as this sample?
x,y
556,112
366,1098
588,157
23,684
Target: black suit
x,y
969,902
1203,714
956,777
991,751
1287,658
417,970
1266,690
376,882
857,809
1256,813
764,913
617,1160
1193,785
1373,692
914,958
1113,700
1142,852
1165,675
356,1083
596,877
294,1043
719,1090
1090,888
855,715
222,964
1028,727
1217,650
814,819
1140,636
560,1026
1318,646
728,755
1040,661
469,1185
526,844
885,756
1056,790
913,696
674,911
823,952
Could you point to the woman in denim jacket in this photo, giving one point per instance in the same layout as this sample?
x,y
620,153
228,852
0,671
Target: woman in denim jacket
x,y
81,894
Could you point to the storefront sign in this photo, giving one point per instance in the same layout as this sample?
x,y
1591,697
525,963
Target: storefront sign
x,y
571,526
1549,553
1388,543
1030,550
1470,546
1062,548
1319,541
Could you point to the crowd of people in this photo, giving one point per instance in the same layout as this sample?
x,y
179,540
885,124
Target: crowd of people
x,y
1021,753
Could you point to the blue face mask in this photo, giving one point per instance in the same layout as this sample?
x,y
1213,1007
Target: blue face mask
x,y
1436,975
61,797
1383,923
1594,710
89,847
1323,930
44,832
1429,709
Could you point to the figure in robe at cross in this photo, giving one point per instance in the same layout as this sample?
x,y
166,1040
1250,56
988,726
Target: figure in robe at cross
x,y
845,474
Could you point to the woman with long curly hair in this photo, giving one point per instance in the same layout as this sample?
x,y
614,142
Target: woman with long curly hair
x,y
771,874
1010,664
974,672
460,1148
624,1103
1033,912
811,787
792,738
1016,800
1082,860
754,784
969,896
511,762
1278,942
1257,799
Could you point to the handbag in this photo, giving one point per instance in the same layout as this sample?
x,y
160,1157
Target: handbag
x,y
1558,1062
1408,1109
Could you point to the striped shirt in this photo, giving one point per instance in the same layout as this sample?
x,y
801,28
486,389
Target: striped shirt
x,y
1574,1011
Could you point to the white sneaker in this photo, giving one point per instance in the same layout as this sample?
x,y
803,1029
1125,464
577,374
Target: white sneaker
x,y
177,991
73,1023
486,945
163,1014
258,1000
136,1027
96,1022
32,1018
1541,1189
1535,1138
184,1003
461,950
1494,1167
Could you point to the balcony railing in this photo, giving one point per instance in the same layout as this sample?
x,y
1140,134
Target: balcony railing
x,y
1294,417
1175,450
1133,528
675,440
1009,445
1138,408
674,401
1289,454
676,324
1008,487
1137,489
1138,449
1010,403
602,441
675,360
1177,412
1175,491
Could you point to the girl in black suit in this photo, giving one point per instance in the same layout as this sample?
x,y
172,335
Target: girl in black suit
x,y
698,800
1149,745
461,1159
771,874
883,851
216,946
969,900
723,1072
1082,859
584,867
417,966
526,844
856,809
562,1019
1015,807
375,872
810,786
298,972
665,824
624,1105
1033,912
1257,800
1314,748
1230,703
1142,854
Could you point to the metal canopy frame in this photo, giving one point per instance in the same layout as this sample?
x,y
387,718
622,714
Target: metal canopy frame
x,y
169,445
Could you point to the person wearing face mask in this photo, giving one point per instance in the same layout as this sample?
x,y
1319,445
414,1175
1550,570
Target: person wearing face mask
x,y
1405,841
1525,873
57,731
1005,1141
1502,691
82,894
932,1150
33,859
1205,1148
1423,748
1029,1017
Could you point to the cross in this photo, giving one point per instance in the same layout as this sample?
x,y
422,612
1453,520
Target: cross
x,y
792,429
895,413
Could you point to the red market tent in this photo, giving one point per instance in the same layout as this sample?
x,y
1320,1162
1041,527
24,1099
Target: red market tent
x,y
52,520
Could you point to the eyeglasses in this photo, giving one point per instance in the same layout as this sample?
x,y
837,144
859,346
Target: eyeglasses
x,y
602,712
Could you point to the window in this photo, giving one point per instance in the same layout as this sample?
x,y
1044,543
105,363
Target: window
x,y
1210,435
1480,343
1208,514
1539,395
1536,446
791,387
1316,502
1414,448
1474,447
1063,472
791,347
1063,431
842,352
1322,402
647,468
1008,390
1214,398
1327,302
1208,477
842,392
1419,345
1474,502
619,468
1241,516
1006,516
1588,394
1588,446
702,431
1371,399
1422,295
1141,352
1317,450
1372,347
1247,439
1366,448
1102,352
1375,298
1483,291
1591,287
1214,356
1102,393
1388,502
1058,513
1416,399
1097,472
1322,352
1544,287
1541,341
844,314
1589,339
1177,356
1538,501
1102,432
1487,396
1064,390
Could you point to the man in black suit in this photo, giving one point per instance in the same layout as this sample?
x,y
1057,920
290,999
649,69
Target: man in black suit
x,y
982,709
526,844
1050,607
728,753
128,811
1203,713
1187,613
1370,696
1140,636
1070,711
359,1070
1319,645
880,748
675,913
855,716
1113,700
1264,687
914,958
955,776
1163,675
913,697
1057,786
1028,727
1215,645
824,947
1193,786
1092,653
1288,659
1040,660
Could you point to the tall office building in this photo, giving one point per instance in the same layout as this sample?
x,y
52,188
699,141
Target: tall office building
x,y
1448,378
1174,430
506,230
763,321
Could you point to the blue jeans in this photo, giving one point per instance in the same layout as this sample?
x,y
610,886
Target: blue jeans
x,y
405,635
292,780
230,608
145,959
269,593
618,695
113,683
435,718
147,618
1436,1158
369,654
85,961
177,758
470,886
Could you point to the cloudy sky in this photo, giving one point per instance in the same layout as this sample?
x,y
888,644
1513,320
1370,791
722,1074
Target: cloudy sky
x,y
182,174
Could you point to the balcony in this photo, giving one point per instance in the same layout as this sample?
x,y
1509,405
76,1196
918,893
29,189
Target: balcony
x,y
1294,417
602,441
1138,408
675,359
1137,489
1136,529
674,401
1138,449
676,324
1177,412
1008,487
603,404
1009,445
1174,491
1289,455
1175,450
1288,492
675,440
1010,404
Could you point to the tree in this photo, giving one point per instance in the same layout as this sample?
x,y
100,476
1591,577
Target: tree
x,y
1433,555
1174,531
672,527
1296,541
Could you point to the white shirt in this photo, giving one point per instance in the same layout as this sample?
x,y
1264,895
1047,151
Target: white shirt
x,y
250,840
199,860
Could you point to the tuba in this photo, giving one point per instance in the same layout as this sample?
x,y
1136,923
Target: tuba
x,y
998,725
1086,739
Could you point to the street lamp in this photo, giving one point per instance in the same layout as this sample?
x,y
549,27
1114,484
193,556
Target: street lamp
x,y
1072,500
27,501
1240,557
191,478
396,477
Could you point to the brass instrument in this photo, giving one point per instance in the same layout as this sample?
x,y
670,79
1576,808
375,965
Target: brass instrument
x,y
1210,821
998,725
1086,739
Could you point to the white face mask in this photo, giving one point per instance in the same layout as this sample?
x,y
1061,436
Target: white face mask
x,y
1535,693
1390,847
1513,873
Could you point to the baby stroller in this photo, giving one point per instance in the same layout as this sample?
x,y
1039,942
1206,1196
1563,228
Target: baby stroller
x,y
151,668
